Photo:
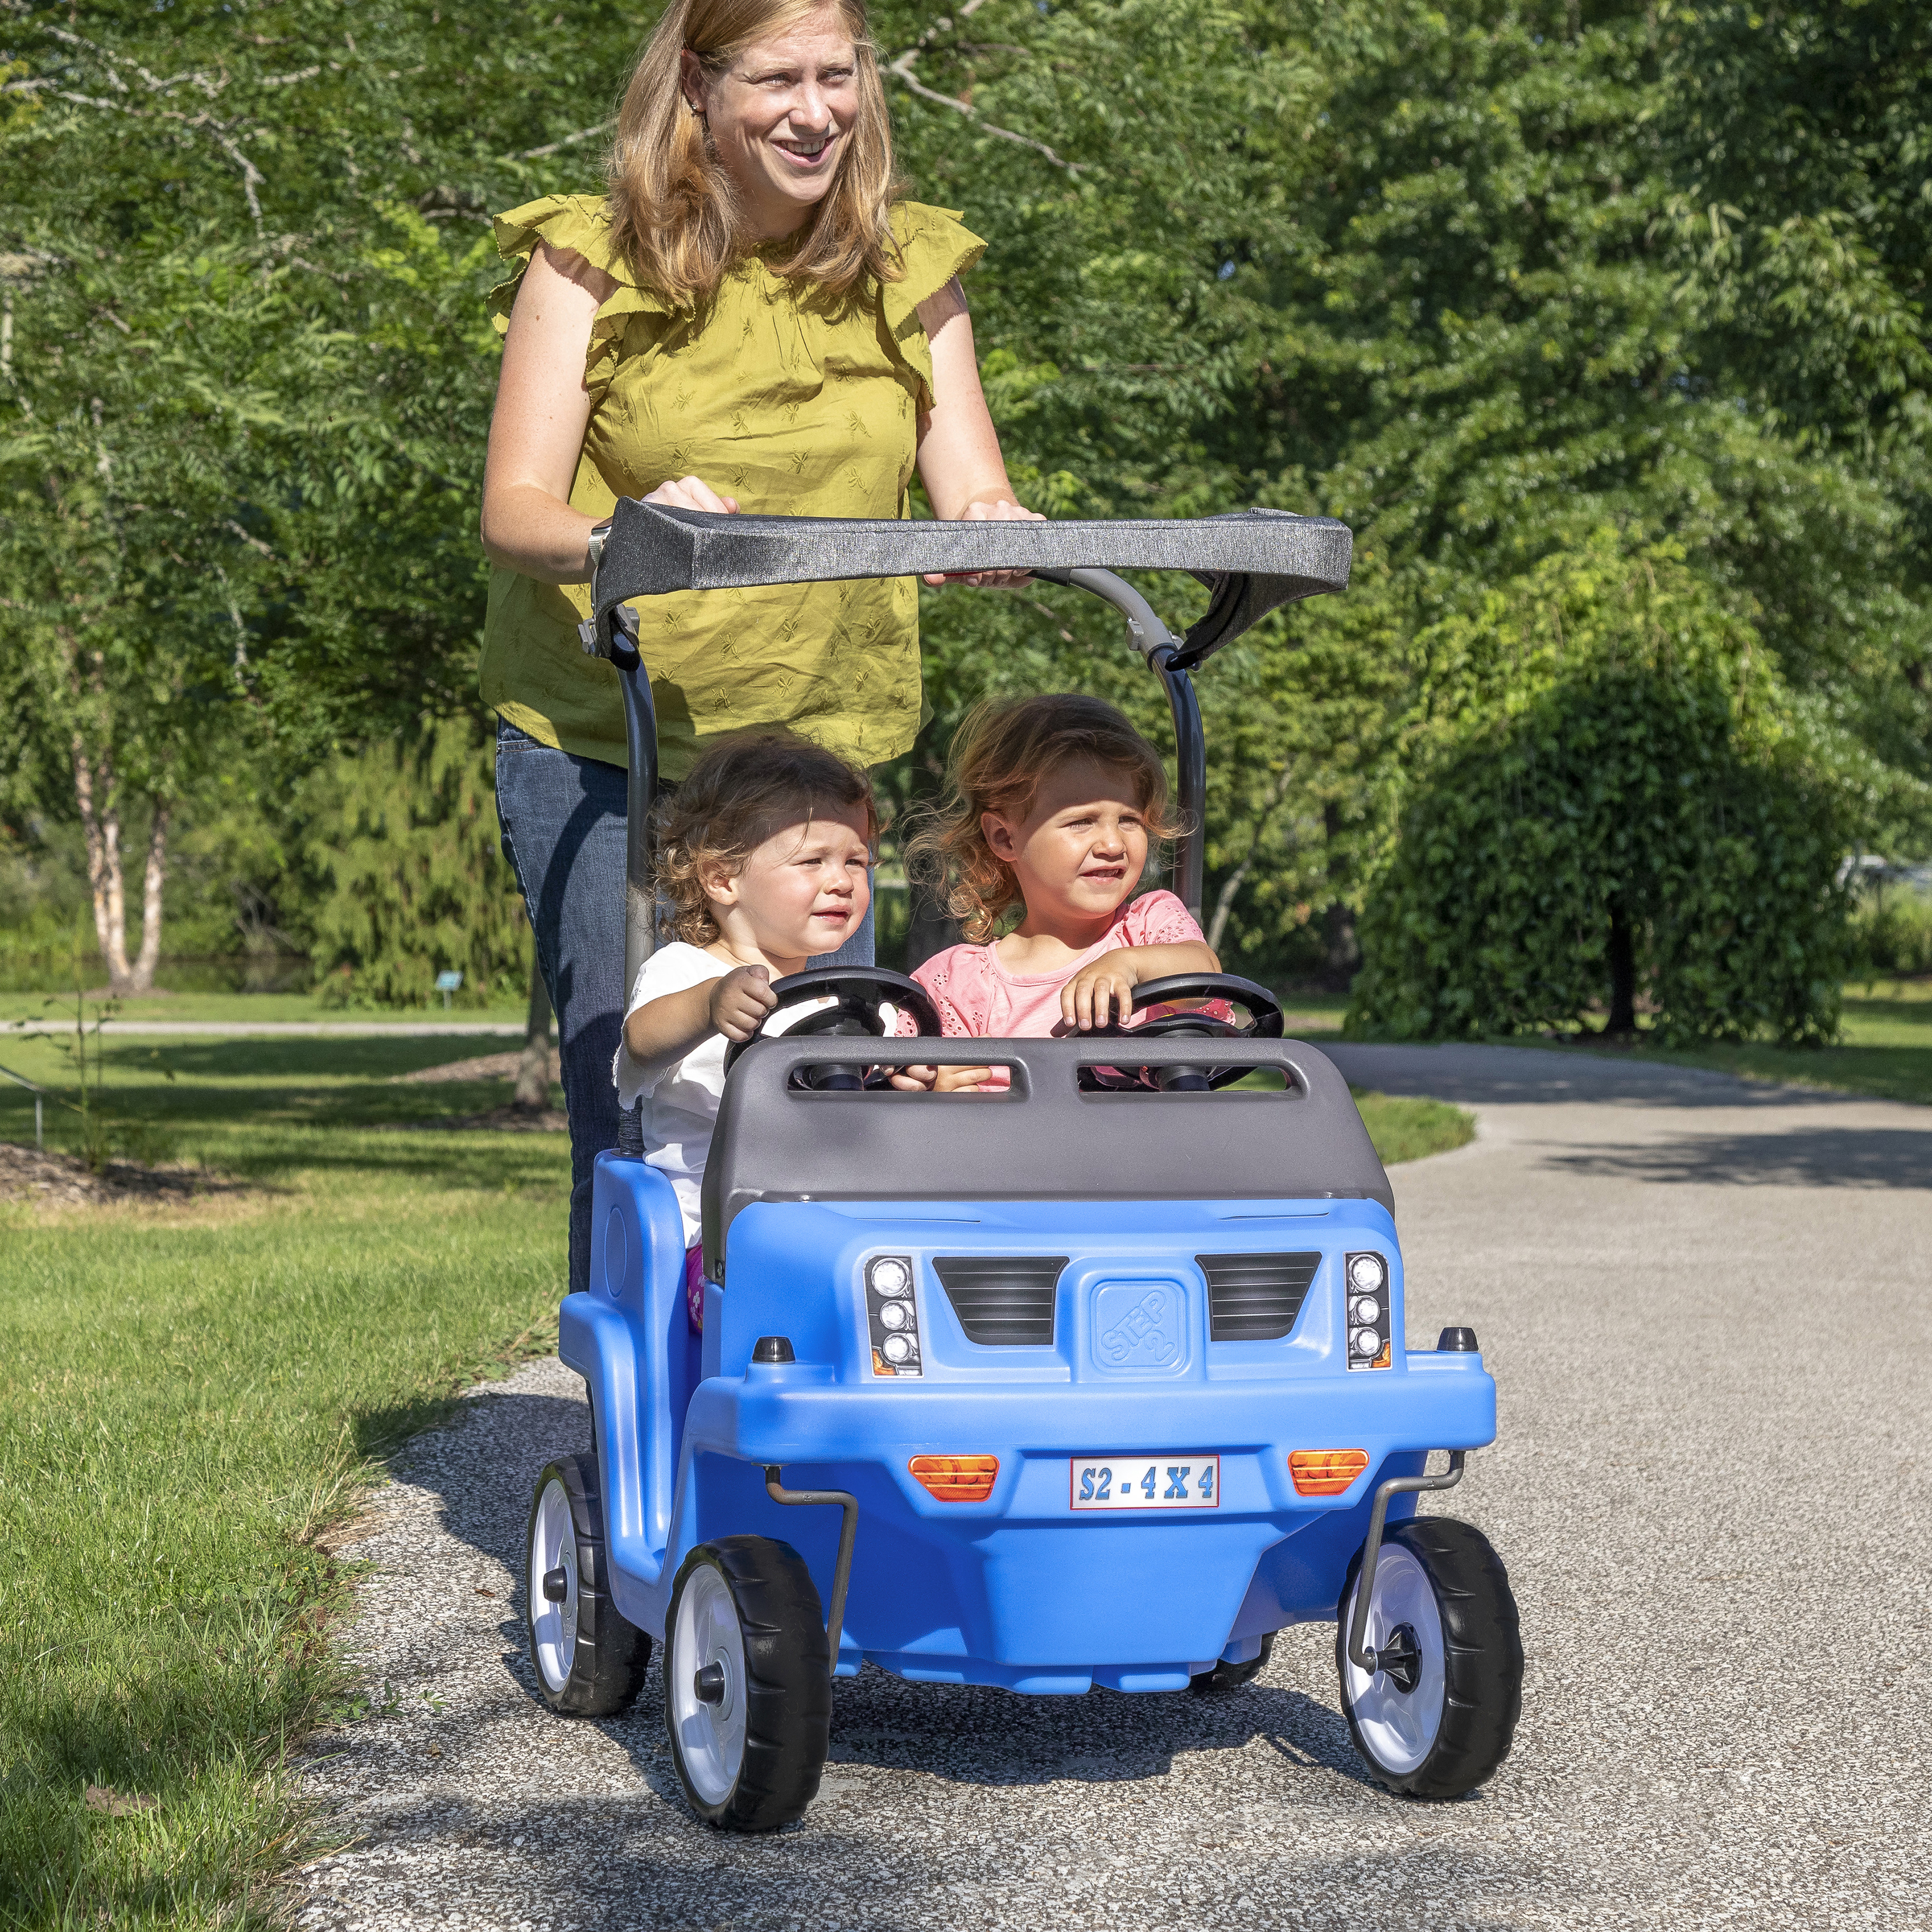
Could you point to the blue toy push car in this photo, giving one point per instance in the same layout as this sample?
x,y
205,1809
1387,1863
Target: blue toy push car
x,y
1099,1381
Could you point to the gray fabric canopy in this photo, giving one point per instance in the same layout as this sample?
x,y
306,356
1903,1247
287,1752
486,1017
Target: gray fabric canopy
x,y
1252,561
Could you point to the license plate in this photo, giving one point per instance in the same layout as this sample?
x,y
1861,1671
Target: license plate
x,y
1145,1483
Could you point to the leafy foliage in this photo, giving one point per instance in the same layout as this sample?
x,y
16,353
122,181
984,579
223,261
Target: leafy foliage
x,y
1486,280
405,835
1635,785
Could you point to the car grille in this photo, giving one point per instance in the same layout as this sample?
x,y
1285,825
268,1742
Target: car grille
x,y
1256,1297
1003,1301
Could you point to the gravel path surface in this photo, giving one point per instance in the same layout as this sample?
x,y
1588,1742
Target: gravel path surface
x,y
1707,1305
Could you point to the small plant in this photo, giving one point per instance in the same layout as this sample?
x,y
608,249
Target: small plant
x,y
101,1135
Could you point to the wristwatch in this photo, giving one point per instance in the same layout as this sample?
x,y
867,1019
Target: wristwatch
x,y
600,536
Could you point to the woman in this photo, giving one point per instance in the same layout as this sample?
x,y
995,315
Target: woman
x,y
748,320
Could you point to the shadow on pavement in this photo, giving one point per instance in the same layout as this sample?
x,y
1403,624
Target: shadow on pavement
x,y
1875,1157
1518,1076
484,1469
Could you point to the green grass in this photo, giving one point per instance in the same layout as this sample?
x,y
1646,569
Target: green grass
x,y
1886,1049
1411,1129
241,1009
188,1394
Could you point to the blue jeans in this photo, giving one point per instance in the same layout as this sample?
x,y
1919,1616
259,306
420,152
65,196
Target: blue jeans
x,y
563,834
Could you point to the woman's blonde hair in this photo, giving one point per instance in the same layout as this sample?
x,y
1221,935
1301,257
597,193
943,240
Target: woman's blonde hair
x,y
744,789
674,211
1000,757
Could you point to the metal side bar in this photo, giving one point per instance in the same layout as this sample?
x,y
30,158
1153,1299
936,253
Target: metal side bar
x,y
1163,650
1360,1655
613,636
848,1531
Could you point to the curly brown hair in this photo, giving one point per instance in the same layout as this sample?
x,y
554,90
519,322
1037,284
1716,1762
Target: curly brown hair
x,y
744,789
1000,757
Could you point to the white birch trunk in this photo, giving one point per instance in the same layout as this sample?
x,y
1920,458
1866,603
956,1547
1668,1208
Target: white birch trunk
x,y
153,878
100,823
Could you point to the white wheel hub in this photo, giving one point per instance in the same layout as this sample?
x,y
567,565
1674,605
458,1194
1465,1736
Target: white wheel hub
x,y
1398,1727
553,1624
710,1730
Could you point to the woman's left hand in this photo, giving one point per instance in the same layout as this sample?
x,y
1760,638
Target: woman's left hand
x,y
991,513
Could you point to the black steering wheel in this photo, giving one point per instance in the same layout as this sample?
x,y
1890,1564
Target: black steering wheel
x,y
1264,1022
857,993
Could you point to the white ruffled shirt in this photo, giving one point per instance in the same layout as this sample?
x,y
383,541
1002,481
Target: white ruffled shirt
x,y
679,1109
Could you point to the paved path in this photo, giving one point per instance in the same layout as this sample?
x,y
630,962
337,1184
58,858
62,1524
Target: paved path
x,y
250,1029
1707,1306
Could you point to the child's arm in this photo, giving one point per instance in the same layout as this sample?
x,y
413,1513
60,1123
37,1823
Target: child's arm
x,y
1105,989
940,1079
660,1033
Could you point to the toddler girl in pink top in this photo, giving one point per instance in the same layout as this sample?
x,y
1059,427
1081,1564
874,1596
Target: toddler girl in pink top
x,y
1051,806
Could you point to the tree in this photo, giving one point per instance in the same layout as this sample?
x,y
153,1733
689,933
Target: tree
x,y
405,835
1614,801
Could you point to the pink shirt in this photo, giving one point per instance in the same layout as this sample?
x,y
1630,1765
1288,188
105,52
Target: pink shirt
x,y
979,999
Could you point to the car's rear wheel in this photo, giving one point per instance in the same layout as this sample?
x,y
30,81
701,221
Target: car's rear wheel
x,y
1226,1676
1436,1717
748,1683
590,1662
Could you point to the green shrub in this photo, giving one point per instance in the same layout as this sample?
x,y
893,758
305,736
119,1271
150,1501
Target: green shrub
x,y
405,833
1636,785
1891,934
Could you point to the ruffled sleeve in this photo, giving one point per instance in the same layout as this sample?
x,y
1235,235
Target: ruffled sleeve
x,y
1158,919
933,246
577,224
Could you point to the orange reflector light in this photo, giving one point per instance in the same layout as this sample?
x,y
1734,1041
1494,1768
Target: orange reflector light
x,y
1325,1472
957,1479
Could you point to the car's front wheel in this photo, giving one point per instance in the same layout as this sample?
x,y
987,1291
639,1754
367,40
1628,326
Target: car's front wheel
x,y
748,1683
1436,1716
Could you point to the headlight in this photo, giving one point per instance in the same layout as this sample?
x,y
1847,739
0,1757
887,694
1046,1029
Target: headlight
x,y
892,1315
1365,1301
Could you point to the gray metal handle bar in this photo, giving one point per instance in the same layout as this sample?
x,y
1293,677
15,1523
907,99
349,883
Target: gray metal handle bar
x,y
1253,561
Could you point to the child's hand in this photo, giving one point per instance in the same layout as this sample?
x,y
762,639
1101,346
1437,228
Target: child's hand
x,y
940,1079
740,1001
1102,990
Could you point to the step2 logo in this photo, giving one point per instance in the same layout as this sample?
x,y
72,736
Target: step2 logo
x,y
1138,1325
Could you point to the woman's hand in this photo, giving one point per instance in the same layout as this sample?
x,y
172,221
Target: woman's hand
x,y
1003,511
693,493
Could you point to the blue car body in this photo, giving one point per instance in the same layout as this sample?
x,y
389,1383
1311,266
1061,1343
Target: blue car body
x,y
1021,1590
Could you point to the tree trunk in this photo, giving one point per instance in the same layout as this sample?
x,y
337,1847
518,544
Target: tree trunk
x,y
532,1094
1343,953
1623,971
153,878
94,789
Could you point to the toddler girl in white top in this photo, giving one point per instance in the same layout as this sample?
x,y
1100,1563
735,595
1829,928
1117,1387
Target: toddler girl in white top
x,y
763,853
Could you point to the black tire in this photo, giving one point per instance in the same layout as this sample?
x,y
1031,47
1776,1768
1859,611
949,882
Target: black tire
x,y
771,1773
1231,1676
589,1661
1481,1662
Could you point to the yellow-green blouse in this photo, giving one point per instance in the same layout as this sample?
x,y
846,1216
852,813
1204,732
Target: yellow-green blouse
x,y
794,406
